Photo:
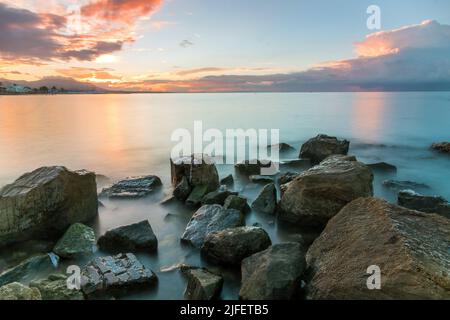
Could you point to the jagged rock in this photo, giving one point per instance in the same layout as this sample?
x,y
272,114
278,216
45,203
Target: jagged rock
x,y
252,167
383,167
319,148
431,204
231,246
237,202
217,197
28,269
17,291
202,284
404,185
198,169
443,147
134,237
228,180
55,288
210,218
266,201
316,195
410,248
260,179
42,204
273,274
182,190
287,177
196,196
115,275
134,187
78,240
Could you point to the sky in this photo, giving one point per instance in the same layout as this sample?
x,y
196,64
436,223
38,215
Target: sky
x,y
234,45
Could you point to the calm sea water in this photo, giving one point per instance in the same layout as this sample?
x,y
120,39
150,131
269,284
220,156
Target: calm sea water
x,y
125,135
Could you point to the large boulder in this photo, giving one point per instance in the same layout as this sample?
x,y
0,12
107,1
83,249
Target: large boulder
x,y
17,291
202,284
431,204
134,187
182,189
319,148
55,288
266,201
231,246
199,169
410,248
135,237
273,274
210,218
115,275
316,195
78,240
45,202
443,147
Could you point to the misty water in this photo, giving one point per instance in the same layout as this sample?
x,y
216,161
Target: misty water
x,y
128,135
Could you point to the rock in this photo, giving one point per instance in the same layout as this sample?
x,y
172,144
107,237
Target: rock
x,y
196,196
297,163
319,148
231,246
273,274
430,204
202,284
17,291
44,203
237,202
134,237
443,147
317,194
282,147
252,167
266,201
198,170
228,180
383,167
261,179
218,197
134,187
404,185
78,240
55,288
114,275
182,190
210,218
28,269
410,248
287,177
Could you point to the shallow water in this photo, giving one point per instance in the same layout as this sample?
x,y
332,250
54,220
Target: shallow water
x,y
126,135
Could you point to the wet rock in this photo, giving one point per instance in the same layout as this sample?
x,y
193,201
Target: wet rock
x,y
273,274
410,248
282,147
297,164
261,179
182,190
319,148
383,167
228,180
17,291
266,201
287,177
134,187
202,284
55,288
316,195
28,269
443,147
196,196
210,218
430,204
199,170
217,197
404,185
42,204
237,202
78,240
134,237
252,167
115,275
231,246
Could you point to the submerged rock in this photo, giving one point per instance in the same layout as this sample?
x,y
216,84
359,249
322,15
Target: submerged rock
x,y
296,164
430,204
382,167
42,204
231,246
115,275
273,274
55,288
266,201
404,185
252,167
316,195
134,187
202,284
182,190
322,146
443,147
228,180
410,248
196,196
134,237
282,147
78,240
237,202
218,197
210,218
17,291
261,179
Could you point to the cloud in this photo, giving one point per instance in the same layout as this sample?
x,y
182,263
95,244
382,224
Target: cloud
x,y
90,74
186,43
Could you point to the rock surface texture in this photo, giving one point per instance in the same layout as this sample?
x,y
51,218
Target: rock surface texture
x,y
134,187
319,148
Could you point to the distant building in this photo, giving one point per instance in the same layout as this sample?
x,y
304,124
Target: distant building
x,y
18,89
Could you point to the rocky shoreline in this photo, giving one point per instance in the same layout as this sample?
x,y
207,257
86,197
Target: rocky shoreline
x,y
326,193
